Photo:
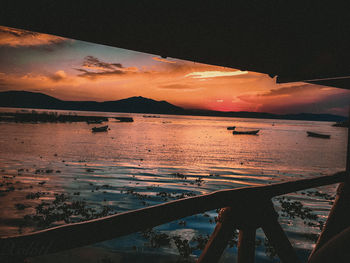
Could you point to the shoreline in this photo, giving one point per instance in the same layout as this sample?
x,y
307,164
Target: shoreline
x,y
240,115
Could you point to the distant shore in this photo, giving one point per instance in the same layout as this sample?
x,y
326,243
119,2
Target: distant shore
x,y
41,117
24,99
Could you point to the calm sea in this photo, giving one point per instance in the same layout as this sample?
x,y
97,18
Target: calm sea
x,y
146,156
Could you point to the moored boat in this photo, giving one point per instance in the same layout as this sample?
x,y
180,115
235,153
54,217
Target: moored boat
x,y
124,119
100,129
318,135
255,132
341,124
230,128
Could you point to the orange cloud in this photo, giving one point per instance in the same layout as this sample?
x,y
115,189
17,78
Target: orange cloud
x,y
163,60
32,81
22,38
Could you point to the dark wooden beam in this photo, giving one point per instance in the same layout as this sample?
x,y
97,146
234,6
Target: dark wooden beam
x,y
218,241
246,245
277,237
292,39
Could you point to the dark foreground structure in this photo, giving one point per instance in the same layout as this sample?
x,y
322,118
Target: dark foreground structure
x,y
296,42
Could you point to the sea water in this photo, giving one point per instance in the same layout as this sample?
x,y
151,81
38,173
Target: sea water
x,y
147,157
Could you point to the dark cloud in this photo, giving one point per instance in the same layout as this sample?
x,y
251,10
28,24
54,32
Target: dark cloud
x,y
93,68
58,76
93,75
337,103
301,98
276,94
93,62
291,90
82,70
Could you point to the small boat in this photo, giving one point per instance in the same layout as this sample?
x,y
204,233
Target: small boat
x,y
231,128
341,124
100,129
246,132
318,135
124,119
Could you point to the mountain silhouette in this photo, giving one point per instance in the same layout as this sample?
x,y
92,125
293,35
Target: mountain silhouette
x,y
26,99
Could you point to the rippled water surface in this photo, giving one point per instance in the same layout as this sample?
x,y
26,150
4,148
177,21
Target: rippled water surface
x,y
147,156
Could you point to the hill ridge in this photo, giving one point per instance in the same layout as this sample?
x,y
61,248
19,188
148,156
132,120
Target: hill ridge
x,y
139,104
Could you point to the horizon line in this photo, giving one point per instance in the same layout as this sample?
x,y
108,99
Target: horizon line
x,y
186,109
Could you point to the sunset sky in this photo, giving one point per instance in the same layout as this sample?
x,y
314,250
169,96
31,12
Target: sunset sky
x,y
75,70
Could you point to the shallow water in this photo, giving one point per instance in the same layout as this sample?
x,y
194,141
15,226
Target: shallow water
x,y
144,156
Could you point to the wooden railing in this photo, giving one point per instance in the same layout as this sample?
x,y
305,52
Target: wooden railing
x,y
245,208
